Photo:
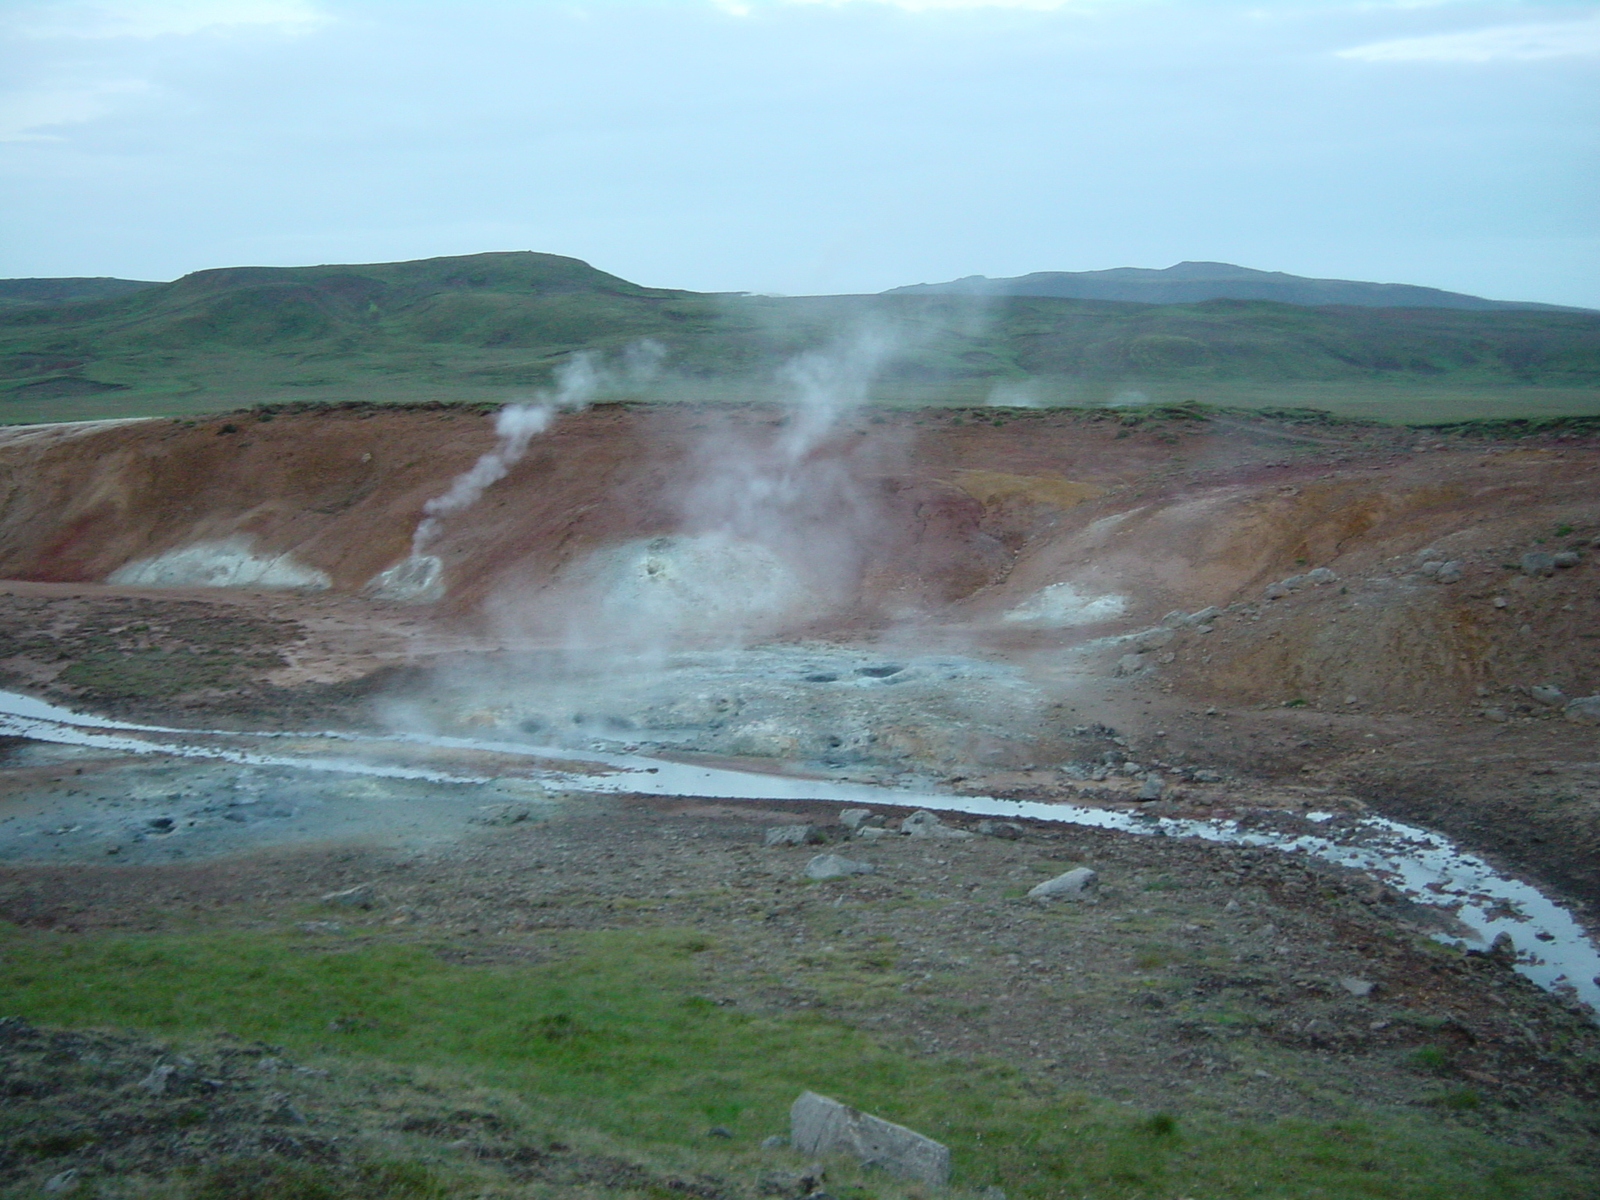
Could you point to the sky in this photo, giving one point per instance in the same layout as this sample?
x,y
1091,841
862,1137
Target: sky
x,y
809,146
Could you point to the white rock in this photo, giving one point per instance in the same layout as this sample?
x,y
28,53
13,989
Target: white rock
x,y
835,866
792,835
1067,886
818,1125
924,824
851,818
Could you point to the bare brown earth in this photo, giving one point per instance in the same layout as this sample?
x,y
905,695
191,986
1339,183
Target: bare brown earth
x,y
1200,971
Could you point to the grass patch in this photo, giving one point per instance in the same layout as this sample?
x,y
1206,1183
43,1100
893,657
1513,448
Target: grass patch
x,y
616,1034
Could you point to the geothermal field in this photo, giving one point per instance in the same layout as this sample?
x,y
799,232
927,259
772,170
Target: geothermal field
x,y
450,800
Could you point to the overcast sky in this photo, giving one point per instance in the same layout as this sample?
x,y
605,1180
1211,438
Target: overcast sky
x,y
803,146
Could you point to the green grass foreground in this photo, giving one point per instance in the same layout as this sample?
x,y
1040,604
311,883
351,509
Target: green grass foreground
x,y
615,1033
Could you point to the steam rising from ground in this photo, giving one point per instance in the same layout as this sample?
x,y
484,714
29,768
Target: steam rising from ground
x,y
772,526
419,576
577,381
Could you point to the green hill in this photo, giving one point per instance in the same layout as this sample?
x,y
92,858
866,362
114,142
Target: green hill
x,y
1190,282
487,327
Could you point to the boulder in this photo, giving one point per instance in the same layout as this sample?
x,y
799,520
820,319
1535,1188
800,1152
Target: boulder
x,y
793,835
1152,787
1009,830
1566,558
1130,664
818,1125
852,818
923,824
1537,562
835,866
1070,885
1548,693
1584,708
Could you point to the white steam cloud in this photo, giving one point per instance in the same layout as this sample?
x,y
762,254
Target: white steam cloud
x,y
578,381
418,577
515,425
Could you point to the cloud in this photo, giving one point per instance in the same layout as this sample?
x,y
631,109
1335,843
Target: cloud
x,y
160,18
24,113
1501,43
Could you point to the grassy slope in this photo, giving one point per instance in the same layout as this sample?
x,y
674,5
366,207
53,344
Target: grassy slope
x,y
618,1035
484,327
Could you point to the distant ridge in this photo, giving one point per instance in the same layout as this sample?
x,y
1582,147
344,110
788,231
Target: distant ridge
x,y
65,291
1192,282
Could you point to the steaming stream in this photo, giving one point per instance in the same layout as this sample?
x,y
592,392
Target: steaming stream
x,y
1552,948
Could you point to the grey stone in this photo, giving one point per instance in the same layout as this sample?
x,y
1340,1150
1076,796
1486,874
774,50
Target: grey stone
x,y
1207,614
1204,776
818,1125
1357,987
1450,572
62,1182
1153,639
1431,568
1567,558
1548,693
360,896
1584,708
835,866
851,818
1537,562
871,833
924,824
156,1081
1276,591
1152,787
793,835
1130,664
1067,886
1009,830
1319,576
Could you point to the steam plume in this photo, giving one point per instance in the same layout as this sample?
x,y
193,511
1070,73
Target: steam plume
x,y
578,381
